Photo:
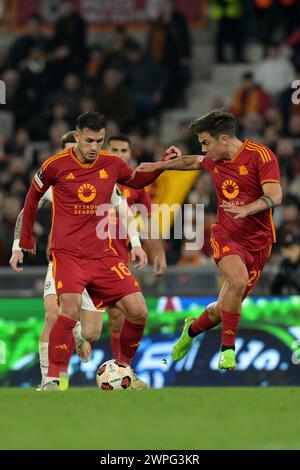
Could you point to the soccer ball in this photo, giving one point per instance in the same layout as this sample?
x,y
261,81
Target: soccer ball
x,y
114,375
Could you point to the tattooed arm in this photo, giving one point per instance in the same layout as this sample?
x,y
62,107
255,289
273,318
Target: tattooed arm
x,y
18,227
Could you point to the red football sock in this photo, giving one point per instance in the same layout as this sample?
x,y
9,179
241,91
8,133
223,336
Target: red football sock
x,y
230,324
61,345
130,337
202,323
115,343
64,368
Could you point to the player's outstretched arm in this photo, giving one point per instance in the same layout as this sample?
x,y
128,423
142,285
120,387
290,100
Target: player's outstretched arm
x,y
272,197
138,180
184,163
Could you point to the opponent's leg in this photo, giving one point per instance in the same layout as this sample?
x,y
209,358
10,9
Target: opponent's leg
x,y
116,320
51,314
88,329
91,324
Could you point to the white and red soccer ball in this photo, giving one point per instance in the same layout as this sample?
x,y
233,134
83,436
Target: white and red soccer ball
x,y
114,375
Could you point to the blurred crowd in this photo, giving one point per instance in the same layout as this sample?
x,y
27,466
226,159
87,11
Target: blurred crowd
x,y
51,78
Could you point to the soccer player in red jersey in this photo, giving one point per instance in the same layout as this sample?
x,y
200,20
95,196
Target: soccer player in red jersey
x,y
83,348
247,183
83,179
92,333
120,145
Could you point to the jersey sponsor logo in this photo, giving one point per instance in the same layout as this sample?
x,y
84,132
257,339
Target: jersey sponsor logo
x,y
237,203
70,176
102,174
87,192
59,285
85,209
38,178
243,170
230,189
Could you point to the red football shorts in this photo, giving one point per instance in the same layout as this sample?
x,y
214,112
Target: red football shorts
x,y
106,280
255,261
122,249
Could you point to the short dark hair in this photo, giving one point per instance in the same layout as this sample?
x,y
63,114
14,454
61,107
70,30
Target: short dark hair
x,y
68,138
121,137
216,123
91,120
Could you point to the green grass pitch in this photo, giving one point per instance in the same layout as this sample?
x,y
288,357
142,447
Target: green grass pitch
x,y
169,419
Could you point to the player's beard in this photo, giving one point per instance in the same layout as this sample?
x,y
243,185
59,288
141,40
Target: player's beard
x,y
90,157
87,157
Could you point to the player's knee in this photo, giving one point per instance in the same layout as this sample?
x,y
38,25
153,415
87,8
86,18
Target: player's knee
x,y
139,315
238,284
91,334
71,310
51,315
214,311
116,323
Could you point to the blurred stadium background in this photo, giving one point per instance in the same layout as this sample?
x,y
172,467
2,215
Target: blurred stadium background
x,y
151,66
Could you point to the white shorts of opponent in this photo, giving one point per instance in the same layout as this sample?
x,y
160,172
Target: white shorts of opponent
x,y
49,288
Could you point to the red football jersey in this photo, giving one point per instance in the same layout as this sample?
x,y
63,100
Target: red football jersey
x,y
79,190
133,196
240,181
